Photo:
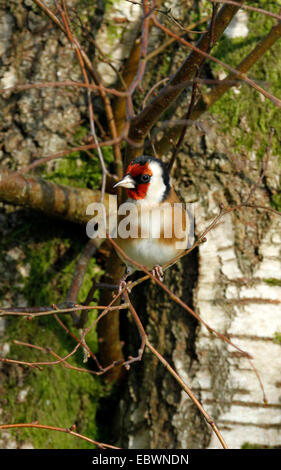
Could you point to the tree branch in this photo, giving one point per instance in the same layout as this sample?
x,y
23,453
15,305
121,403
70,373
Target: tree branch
x,y
47,197
206,101
143,122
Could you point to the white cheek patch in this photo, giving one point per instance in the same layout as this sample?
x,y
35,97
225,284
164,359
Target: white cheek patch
x,y
156,188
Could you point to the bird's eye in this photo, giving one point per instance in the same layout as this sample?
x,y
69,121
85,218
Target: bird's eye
x,y
145,178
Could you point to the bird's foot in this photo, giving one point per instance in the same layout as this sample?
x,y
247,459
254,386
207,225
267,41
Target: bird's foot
x,y
123,284
157,272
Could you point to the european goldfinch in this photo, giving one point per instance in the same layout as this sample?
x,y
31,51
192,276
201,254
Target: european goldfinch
x,y
157,219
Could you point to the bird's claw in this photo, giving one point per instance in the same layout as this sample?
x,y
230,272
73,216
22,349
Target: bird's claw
x,y
157,272
123,284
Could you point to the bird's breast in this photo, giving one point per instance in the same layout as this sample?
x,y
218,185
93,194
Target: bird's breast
x,y
148,252
153,235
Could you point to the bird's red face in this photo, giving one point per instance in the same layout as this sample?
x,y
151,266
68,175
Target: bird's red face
x,y
142,175
146,178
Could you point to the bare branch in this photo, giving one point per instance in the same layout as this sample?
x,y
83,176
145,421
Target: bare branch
x,y
143,122
47,197
206,101
187,390
249,7
70,431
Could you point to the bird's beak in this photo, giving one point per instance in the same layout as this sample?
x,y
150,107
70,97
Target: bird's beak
x,y
126,182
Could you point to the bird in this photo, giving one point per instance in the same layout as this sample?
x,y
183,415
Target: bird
x,y
158,222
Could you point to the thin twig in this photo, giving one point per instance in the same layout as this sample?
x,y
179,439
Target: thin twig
x,y
175,297
188,391
249,7
65,83
207,100
140,328
80,270
97,80
65,18
70,431
63,153
170,41
43,311
239,74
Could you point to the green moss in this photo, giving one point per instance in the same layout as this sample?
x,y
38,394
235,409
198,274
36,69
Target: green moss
x,y
89,18
165,66
84,6
113,30
276,200
56,396
277,337
273,282
109,4
246,115
80,169
50,249
250,445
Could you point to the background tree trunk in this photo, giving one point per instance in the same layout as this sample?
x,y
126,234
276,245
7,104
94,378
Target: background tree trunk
x,y
233,282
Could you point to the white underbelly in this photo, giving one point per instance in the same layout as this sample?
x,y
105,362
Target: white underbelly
x,y
149,252
145,245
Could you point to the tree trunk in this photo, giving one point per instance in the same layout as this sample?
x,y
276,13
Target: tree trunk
x,y
233,283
